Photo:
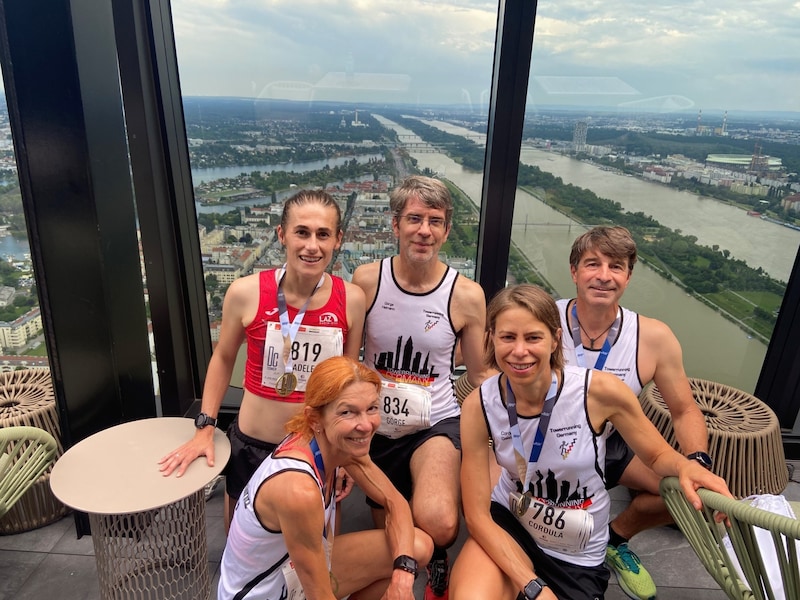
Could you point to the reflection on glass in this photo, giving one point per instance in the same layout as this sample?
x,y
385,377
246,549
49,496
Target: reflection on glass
x,y
293,94
651,119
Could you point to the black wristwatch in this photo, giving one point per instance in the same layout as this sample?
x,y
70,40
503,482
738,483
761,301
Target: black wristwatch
x,y
406,563
703,458
203,420
534,588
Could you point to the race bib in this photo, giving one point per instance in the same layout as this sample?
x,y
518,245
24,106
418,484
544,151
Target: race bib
x,y
405,409
562,529
311,346
294,591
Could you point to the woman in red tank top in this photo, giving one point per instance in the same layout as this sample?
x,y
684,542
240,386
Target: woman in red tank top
x,y
311,232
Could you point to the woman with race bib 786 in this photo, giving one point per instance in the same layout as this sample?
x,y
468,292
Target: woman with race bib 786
x,y
542,531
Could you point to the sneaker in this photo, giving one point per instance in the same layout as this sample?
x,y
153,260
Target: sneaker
x,y
212,485
438,575
632,577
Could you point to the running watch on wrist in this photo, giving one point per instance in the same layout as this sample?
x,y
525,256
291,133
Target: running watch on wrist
x,y
534,588
406,563
203,420
703,458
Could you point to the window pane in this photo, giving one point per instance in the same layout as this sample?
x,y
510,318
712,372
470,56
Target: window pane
x,y
679,125
21,334
349,97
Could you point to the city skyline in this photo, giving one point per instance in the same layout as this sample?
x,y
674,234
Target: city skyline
x,y
634,56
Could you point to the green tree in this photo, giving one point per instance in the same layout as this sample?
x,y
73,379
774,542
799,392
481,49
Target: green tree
x,y
212,283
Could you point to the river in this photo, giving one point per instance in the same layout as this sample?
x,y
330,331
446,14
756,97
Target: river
x,y
213,173
757,242
713,347
11,247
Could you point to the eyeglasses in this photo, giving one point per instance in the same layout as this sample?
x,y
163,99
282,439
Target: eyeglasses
x,y
416,220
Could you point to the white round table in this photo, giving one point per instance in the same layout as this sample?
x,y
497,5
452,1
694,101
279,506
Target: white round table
x,y
148,531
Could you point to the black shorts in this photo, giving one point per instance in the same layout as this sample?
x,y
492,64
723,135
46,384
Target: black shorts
x,y
568,581
393,457
618,457
247,454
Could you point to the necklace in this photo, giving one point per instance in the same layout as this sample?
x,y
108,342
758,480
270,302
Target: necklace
x,y
592,340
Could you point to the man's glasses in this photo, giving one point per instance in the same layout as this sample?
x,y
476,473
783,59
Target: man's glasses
x,y
433,222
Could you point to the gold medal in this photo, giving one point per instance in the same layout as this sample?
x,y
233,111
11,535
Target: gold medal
x,y
286,384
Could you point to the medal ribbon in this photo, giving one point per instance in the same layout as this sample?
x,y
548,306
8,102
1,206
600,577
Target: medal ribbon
x,y
580,355
525,470
289,330
319,467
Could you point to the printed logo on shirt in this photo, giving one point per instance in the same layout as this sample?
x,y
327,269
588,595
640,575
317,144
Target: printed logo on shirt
x,y
505,435
432,318
388,306
566,447
270,312
405,364
328,318
620,372
567,438
554,492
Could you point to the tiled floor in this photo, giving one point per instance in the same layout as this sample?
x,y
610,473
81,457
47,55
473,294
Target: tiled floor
x,y
50,563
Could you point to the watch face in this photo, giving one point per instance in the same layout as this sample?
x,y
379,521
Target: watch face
x,y
703,458
532,589
406,563
202,420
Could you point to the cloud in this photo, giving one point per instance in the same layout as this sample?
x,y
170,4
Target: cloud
x,y
699,50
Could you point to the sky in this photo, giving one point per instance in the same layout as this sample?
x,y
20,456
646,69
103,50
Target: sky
x,y
710,55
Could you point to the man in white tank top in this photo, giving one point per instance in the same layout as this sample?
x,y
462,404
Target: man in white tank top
x,y
598,333
419,309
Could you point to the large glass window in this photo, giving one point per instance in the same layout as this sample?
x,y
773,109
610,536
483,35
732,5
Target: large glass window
x,y
677,123
21,335
350,97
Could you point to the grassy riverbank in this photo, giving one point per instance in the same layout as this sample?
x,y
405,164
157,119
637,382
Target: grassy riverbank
x,y
746,296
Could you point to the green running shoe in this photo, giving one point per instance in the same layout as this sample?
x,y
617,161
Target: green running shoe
x,y
633,578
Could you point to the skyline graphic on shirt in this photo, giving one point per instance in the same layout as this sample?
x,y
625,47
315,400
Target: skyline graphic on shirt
x,y
405,365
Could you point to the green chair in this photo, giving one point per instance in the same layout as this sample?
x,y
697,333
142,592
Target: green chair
x,y
705,536
25,454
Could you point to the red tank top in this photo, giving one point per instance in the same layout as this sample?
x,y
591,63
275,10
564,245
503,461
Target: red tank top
x,y
332,314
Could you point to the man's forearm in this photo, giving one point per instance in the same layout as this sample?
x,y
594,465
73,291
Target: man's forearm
x,y
691,431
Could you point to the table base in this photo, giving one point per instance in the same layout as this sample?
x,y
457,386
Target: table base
x,y
156,554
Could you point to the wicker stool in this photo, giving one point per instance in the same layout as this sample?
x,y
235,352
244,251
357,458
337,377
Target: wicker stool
x,y
462,388
27,398
744,436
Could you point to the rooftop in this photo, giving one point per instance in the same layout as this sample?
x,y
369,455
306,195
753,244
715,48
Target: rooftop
x,y
51,563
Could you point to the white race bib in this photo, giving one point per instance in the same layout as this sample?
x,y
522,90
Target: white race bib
x,y
562,529
405,409
294,591
311,346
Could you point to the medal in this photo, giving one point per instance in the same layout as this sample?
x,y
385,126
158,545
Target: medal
x,y
286,384
520,503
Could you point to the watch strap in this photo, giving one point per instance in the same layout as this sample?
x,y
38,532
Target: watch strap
x,y
203,420
406,563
